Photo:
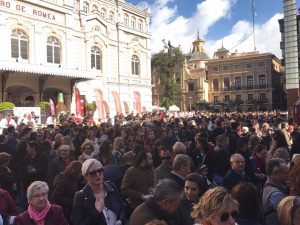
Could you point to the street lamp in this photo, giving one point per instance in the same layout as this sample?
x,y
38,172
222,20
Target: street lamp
x,y
190,102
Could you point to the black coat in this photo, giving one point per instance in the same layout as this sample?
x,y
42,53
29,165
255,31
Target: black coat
x,y
39,163
84,211
64,188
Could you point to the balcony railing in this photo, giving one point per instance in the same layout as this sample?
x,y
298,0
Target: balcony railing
x,y
247,87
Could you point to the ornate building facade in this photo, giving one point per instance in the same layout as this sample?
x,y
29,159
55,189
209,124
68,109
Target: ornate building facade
x,y
245,81
192,79
193,83
90,50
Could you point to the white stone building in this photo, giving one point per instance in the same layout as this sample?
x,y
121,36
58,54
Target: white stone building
x,y
90,50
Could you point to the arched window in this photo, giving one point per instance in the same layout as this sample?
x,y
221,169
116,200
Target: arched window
x,y
126,20
103,13
133,22
140,25
85,7
19,44
94,8
111,16
53,50
135,65
96,58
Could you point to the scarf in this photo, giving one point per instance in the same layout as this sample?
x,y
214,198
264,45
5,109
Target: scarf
x,y
39,217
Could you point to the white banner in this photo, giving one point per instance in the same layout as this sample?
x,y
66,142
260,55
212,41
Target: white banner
x,y
21,111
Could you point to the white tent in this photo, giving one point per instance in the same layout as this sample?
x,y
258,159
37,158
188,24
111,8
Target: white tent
x,y
174,108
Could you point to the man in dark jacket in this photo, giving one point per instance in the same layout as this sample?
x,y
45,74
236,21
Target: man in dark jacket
x,y
163,205
58,165
274,190
236,174
194,186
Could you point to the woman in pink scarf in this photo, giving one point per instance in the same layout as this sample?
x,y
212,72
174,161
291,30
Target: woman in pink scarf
x,y
40,211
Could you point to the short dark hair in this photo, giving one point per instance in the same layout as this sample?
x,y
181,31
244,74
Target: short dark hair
x,y
166,189
272,164
199,180
139,158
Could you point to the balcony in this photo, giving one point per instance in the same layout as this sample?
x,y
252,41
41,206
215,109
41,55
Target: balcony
x,y
249,87
262,86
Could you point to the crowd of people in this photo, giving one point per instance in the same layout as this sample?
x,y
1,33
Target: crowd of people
x,y
153,169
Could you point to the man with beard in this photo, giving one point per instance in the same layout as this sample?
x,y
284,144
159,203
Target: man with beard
x,y
138,182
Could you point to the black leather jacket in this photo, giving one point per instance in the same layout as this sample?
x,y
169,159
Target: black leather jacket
x,y
84,211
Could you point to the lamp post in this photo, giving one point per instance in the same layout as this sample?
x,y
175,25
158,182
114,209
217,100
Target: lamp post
x,y
190,102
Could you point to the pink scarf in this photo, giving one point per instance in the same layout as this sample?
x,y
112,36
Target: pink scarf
x,y
39,217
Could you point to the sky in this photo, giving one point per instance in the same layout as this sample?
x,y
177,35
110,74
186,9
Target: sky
x,y
217,21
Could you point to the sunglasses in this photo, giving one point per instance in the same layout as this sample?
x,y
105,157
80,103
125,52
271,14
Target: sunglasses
x,y
225,216
165,158
94,172
295,206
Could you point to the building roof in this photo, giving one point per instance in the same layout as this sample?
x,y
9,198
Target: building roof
x,y
199,56
222,50
47,70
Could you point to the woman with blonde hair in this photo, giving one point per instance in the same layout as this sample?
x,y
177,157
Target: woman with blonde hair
x,y
288,211
118,150
87,149
216,207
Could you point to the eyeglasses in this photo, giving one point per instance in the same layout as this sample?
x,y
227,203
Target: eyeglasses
x,y
94,172
225,216
165,158
295,206
44,195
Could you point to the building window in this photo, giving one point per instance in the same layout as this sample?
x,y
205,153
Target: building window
x,y
53,50
191,87
261,64
249,82
226,68
238,83
262,96
216,98
226,84
75,5
250,97
96,58
215,68
103,13
215,85
238,98
135,65
94,8
262,81
249,65
19,44
85,7
133,22
111,16
140,25
227,98
237,66
126,20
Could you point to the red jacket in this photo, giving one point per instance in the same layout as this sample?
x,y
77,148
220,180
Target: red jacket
x,y
7,204
54,216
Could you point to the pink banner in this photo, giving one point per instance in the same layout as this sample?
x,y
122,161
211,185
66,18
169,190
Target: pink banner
x,y
99,103
52,107
77,100
137,97
117,102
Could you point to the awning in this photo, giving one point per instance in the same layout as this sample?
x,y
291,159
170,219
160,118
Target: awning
x,y
47,70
